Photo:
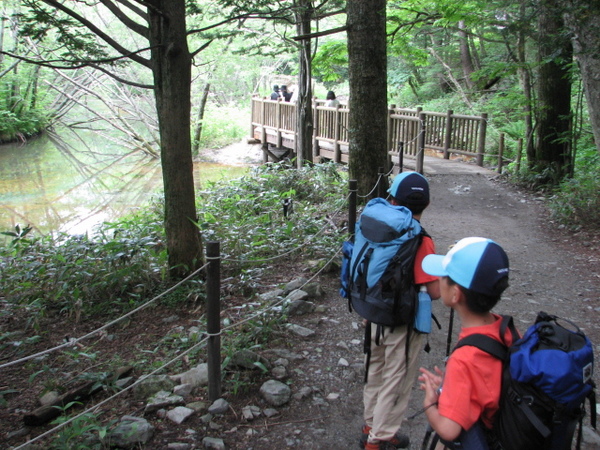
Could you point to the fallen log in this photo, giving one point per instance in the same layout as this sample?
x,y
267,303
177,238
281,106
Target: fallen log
x,y
46,413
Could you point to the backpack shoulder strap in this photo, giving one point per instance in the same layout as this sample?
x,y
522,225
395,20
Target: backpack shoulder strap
x,y
490,345
486,344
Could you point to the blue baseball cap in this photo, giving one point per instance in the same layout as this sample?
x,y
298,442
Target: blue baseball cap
x,y
410,188
475,263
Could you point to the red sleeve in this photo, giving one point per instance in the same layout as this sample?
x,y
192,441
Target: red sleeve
x,y
427,248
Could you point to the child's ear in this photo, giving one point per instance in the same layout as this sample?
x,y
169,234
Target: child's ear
x,y
457,295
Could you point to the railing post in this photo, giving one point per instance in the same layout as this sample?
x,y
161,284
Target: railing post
x,y
481,145
337,152
278,123
213,314
390,136
263,131
500,152
380,183
421,149
352,187
448,137
316,130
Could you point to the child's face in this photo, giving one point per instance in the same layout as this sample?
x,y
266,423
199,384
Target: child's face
x,y
446,291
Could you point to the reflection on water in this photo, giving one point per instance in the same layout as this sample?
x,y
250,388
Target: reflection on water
x,y
73,184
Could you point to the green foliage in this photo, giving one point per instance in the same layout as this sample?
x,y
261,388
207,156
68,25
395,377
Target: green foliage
x,y
81,274
223,125
330,63
85,432
247,215
576,202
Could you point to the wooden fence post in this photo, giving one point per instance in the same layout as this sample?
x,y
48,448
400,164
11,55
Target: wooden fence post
x,y
481,144
380,184
352,187
500,152
448,137
421,144
213,315
519,151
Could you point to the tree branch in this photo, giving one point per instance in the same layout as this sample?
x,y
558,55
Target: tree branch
x,y
125,20
93,28
80,64
321,33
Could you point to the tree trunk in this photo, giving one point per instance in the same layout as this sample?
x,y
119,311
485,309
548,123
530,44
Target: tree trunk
x,y
553,154
582,20
465,55
304,113
201,108
367,64
525,79
172,78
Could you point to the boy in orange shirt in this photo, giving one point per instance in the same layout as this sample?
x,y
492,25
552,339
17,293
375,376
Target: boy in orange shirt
x,y
460,404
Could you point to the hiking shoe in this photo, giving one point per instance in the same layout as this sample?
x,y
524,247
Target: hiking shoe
x,y
364,436
398,441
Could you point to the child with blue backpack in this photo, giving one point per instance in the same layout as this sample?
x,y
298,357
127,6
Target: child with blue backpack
x,y
393,361
460,404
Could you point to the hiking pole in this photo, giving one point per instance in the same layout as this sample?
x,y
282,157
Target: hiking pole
x,y
449,340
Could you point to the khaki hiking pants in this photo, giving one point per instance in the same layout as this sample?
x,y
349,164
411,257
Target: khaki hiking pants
x,y
390,381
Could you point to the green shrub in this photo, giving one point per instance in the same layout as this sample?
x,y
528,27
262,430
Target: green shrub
x,y
576,202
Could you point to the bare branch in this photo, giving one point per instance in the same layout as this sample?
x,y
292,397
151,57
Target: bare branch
x,y
321,33
202,47
94,64
102,35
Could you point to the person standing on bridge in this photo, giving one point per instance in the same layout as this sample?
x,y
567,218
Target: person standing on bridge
x,y
392,368
275,93
332,101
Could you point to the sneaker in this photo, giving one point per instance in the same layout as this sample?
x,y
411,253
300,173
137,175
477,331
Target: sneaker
x,y
364,436
398,441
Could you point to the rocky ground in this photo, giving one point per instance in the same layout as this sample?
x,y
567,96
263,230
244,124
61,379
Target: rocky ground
x,y
552,269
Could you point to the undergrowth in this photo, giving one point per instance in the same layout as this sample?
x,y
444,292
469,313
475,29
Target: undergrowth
x,y
124,263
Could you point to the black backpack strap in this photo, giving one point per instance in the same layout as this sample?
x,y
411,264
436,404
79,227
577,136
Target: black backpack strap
x,y
485,343
367,349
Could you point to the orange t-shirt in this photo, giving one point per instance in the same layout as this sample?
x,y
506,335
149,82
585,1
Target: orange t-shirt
x,y
471,387
427,247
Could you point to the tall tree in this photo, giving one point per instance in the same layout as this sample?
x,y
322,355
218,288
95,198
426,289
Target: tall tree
x,y
582,18
553,149
161,24
367,122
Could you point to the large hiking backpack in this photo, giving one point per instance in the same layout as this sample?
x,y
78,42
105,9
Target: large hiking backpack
x,y
377,270
547,375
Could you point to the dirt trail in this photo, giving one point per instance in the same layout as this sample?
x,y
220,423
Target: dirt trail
x,y
550,270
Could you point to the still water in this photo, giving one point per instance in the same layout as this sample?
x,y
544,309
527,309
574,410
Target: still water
x,y
73,183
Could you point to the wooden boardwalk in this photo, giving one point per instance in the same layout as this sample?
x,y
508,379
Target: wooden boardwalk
x,y
410,133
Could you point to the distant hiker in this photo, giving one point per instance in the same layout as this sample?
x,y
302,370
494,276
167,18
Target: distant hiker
x,y
460,404
332,101
275,93
392,343
283,91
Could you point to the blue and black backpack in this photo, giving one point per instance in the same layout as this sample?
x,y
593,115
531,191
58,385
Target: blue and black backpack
x,y
547,376
377,269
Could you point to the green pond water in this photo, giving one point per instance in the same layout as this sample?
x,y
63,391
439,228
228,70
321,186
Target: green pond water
x,y
74,183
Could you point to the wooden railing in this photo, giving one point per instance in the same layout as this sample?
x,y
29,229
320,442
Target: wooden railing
x,y
410,132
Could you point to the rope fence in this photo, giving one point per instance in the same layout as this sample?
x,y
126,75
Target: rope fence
x,y
211,337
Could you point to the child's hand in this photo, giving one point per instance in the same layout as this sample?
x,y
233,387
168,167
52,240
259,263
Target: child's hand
x,y
430,384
